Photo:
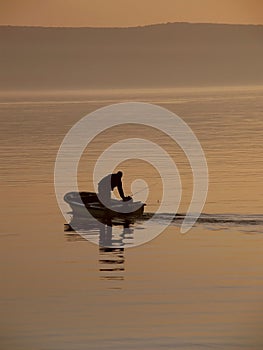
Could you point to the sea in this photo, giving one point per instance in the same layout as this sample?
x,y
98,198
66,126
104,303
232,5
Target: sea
x,y
200,289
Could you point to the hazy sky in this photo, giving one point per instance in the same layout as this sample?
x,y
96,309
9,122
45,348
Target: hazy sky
x,y
108,13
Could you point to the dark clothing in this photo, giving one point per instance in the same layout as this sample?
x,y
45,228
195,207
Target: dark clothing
x,y
116,182
107,184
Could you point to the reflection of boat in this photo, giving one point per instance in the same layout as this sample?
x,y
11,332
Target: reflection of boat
x,y
111,248
112,263
80,202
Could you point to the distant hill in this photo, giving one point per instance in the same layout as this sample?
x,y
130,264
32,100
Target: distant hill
x,y
173,54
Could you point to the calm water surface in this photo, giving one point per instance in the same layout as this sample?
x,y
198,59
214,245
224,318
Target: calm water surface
x,y
202,290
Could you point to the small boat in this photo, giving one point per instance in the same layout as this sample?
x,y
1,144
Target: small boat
x,y
80,202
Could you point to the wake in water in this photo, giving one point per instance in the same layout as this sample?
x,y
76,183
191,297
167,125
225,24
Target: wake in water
x,y
226,219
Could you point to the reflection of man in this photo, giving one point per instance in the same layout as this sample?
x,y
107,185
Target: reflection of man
x,y
107,184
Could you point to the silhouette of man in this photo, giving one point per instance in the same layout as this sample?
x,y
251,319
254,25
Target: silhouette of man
x,y
107,184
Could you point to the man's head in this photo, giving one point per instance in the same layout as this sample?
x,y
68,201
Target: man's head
x,y
119,173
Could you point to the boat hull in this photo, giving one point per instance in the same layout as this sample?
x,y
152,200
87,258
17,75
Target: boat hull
x,y
83,203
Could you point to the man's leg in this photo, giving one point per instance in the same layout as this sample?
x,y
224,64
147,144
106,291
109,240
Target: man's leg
x,y
104,195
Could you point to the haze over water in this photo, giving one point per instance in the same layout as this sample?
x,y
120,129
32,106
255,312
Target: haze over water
x,y
194,291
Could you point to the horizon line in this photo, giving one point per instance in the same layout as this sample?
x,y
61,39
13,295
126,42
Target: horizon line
x,y
131,27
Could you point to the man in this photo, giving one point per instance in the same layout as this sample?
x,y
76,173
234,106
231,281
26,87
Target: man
x,y
107,184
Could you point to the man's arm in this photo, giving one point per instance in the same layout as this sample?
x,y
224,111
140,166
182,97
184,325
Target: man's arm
x,y
120,189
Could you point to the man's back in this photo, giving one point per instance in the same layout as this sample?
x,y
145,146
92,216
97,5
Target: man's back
x,y
109,182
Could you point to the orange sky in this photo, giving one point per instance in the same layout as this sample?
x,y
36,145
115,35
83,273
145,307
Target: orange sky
x,y
119,13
